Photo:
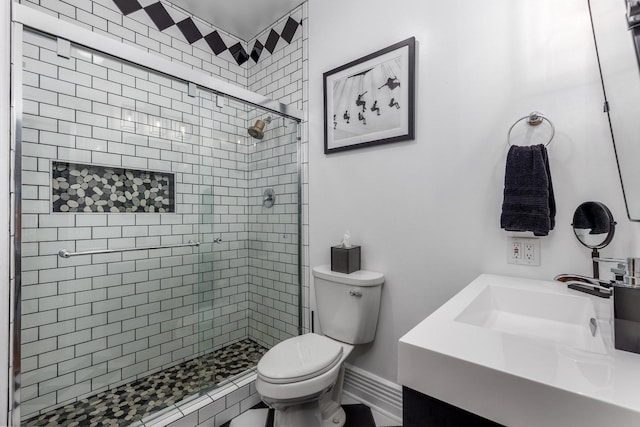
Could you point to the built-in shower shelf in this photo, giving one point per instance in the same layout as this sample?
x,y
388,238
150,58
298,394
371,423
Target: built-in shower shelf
x,y
90,188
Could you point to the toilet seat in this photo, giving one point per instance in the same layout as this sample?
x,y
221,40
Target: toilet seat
x,y
299,358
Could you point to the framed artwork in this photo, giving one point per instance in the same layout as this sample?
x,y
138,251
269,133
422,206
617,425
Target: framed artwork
x,y
370,101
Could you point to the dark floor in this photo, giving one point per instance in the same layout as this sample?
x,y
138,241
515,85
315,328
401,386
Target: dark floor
x,y
358,415
138,399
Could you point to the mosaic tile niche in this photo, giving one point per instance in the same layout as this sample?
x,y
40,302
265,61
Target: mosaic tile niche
x,y
91,188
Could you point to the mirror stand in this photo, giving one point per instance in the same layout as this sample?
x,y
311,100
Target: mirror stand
x,y
594,228
595,254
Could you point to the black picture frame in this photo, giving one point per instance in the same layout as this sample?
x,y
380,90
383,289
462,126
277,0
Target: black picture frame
x,y
371,100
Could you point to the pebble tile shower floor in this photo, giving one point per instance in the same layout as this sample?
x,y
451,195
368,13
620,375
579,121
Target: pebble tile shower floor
x,y
136,400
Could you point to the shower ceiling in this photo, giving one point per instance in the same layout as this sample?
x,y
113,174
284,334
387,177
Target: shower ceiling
x,y
241,18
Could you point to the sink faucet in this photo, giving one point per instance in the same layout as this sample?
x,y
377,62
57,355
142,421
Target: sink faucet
x,y
624,292
586,284
627,274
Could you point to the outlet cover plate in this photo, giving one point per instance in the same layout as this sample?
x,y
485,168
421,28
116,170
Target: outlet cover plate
x,y
523,251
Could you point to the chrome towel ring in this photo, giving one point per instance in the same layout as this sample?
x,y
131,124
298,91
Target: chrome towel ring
x,y
533,119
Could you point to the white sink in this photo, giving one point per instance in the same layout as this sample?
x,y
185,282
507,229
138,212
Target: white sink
x,y
521,352
563,319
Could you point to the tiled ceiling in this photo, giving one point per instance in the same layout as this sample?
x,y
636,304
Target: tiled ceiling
x,y
241,18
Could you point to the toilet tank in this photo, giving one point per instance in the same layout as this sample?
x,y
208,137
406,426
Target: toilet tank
x,y
348,304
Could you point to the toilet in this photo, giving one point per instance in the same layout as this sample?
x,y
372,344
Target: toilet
x,y
301,377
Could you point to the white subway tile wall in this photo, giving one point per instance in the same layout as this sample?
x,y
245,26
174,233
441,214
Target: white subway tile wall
x,y
273,237
135,312
280,75
120,316
104,17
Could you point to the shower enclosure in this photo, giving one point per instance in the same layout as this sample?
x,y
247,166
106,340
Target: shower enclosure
x,y
152,266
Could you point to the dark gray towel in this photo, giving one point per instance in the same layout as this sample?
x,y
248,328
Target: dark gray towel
x,y
528,203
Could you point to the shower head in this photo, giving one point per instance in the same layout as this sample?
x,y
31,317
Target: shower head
x,y
257,130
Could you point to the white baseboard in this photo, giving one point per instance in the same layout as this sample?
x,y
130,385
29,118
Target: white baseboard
x,y
380,395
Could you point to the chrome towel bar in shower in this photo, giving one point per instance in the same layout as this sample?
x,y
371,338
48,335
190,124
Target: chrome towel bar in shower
x,y
63,253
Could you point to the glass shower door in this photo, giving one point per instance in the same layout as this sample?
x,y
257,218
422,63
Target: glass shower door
x,y
224,254
152,269
112,172
274,230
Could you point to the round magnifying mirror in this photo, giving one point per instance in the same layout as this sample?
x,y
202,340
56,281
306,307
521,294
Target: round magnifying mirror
x,y
593,225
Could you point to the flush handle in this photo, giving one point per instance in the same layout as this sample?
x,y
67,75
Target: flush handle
x,y
355,292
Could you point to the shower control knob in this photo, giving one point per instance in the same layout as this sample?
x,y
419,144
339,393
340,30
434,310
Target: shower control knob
x,y
217,240
268,198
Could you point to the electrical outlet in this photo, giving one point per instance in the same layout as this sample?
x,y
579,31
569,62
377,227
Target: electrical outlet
x,y
516,251
528,253
523,251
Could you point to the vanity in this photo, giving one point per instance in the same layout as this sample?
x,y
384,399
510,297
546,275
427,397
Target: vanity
x,y
519,353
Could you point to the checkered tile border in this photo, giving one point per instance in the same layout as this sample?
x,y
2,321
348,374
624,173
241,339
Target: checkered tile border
x,y
192,34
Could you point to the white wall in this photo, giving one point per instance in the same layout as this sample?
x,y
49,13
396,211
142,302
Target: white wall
x,y
427,212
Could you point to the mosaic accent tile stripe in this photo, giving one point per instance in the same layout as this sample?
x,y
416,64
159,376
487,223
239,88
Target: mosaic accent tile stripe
x,y
90,188
192,34
134,401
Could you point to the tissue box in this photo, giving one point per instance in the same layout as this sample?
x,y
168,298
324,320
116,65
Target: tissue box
x,y
345,260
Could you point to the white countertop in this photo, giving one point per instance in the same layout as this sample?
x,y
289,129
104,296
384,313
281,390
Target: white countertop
x,y
516,380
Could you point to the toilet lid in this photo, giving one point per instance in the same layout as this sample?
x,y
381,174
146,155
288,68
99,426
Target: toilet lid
x,y
299,358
